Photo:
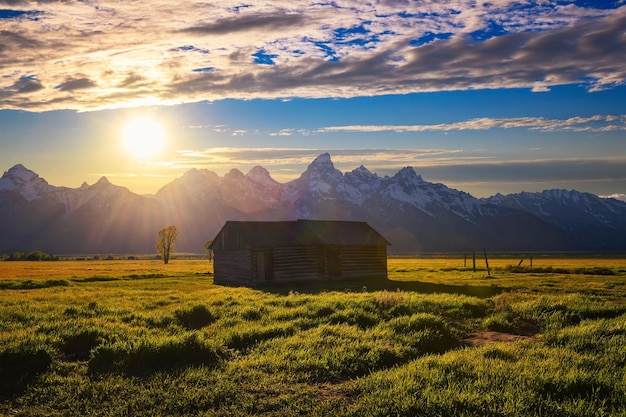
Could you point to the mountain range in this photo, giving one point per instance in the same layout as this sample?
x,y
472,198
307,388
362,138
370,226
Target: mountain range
x,y
415,215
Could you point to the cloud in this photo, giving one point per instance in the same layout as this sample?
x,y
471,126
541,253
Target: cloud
x,y
283,132
246,23
160,52
621,197
597,123
76,84
24,86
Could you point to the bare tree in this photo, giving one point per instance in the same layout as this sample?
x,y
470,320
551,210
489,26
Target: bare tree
x,y
166,239
207,248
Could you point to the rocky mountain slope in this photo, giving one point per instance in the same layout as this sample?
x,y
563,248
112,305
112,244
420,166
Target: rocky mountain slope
x,y
588,220
414,215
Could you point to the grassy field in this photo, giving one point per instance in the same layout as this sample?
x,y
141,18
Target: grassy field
x,y
140,338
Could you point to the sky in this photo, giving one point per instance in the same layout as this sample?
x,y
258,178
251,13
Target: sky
x,y
484,96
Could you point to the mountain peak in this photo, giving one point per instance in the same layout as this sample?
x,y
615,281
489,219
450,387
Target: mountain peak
x,y
191,173
26,182
322,160
322,168
408,173
199,175
20,172
362,171
17,167
361,176
234,174
323,157
260,174
103,181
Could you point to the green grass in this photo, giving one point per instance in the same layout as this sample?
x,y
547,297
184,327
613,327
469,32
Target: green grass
x,y
139,338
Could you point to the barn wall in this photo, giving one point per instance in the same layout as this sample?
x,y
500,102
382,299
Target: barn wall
x,y
297,263
232,267
361,262
300,263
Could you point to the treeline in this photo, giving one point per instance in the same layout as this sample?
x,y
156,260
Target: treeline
x,y
31,256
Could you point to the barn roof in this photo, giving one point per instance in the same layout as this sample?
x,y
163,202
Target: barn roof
x,y
303,232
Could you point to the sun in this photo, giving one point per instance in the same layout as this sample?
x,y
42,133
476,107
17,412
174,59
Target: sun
x,y
143,137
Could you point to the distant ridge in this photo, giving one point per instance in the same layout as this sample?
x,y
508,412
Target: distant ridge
x,y
413,214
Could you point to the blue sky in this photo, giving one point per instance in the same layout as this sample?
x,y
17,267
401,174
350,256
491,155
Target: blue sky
x,y
486,97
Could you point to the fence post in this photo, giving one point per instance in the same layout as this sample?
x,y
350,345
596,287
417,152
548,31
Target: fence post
x,y
487,262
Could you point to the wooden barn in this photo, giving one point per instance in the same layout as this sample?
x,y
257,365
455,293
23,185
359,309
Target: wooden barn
x,y
258,253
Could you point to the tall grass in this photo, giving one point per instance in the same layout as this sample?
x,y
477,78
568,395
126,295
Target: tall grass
x,y
578,372
179,345
151,355
517,380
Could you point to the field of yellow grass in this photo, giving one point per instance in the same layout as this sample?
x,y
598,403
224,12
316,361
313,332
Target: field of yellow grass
x,y
397,267
141,338
71,269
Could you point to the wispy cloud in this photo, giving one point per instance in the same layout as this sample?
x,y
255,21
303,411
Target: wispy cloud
x,y
596,123
226,158
89,55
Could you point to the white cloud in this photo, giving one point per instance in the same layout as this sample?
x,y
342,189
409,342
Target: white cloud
x,y
621,197
283,132
598,123
88,55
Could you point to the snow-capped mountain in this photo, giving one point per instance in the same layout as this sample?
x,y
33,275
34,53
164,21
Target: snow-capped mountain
x,y
414,215
323,182
101,218
592,220
567,208
25,182
31,187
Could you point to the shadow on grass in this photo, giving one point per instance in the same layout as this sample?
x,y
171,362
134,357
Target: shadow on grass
x,y
151,356
32,285
19,368
370,285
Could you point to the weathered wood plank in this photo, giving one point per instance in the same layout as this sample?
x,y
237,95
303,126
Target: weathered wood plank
x,y
299,263
232,267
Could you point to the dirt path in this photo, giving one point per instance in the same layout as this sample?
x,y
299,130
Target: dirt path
x,y
489,337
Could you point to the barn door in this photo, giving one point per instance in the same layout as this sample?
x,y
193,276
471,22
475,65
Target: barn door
x,y
265,266
334,263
